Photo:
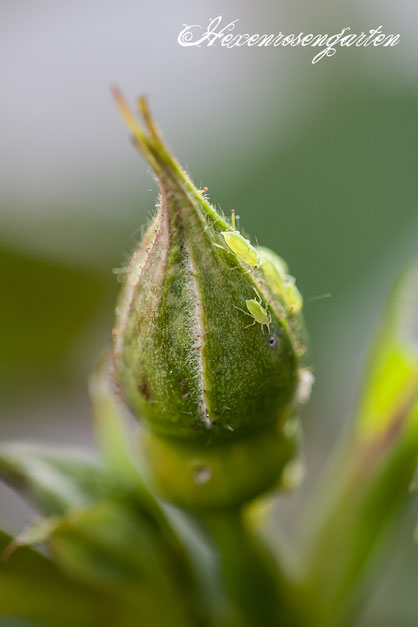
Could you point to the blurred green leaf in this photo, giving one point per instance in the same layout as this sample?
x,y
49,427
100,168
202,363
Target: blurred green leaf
x,y
36,533
392,380
366,487
32,587
111,428
112,549
46,307
111,546
54,480
92,583
105,530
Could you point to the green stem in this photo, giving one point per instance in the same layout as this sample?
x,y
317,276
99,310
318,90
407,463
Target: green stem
x,y
256,590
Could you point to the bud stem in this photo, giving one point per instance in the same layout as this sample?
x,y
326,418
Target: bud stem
x,y
253,582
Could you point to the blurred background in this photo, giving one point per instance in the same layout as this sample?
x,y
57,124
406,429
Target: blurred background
x,y
320,161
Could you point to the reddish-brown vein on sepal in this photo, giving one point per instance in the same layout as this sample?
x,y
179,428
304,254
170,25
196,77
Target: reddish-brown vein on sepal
x,y
159,228
200,334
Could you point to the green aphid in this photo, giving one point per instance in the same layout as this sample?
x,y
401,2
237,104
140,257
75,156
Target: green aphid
x,y
292,296
257,312
274,269
282,284
240,246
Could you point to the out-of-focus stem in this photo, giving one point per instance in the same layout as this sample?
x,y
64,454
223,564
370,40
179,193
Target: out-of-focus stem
x,y
255,589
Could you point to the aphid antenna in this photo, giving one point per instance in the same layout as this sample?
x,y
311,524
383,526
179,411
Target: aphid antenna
x,y
312,299
262,283
137,231
258,295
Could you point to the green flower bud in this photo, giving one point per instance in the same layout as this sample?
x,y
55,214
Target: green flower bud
x,y
202,345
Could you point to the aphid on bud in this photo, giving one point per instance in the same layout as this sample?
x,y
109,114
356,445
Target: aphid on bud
x,y
281,283
274,268
257,312
240,246
292,296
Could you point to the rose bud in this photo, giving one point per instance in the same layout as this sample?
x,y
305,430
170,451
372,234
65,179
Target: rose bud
x,y
204,347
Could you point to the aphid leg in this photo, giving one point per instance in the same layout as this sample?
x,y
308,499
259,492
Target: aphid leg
x,y
242,268
245,312
215,221
226,250
233,219
263,283
251,325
